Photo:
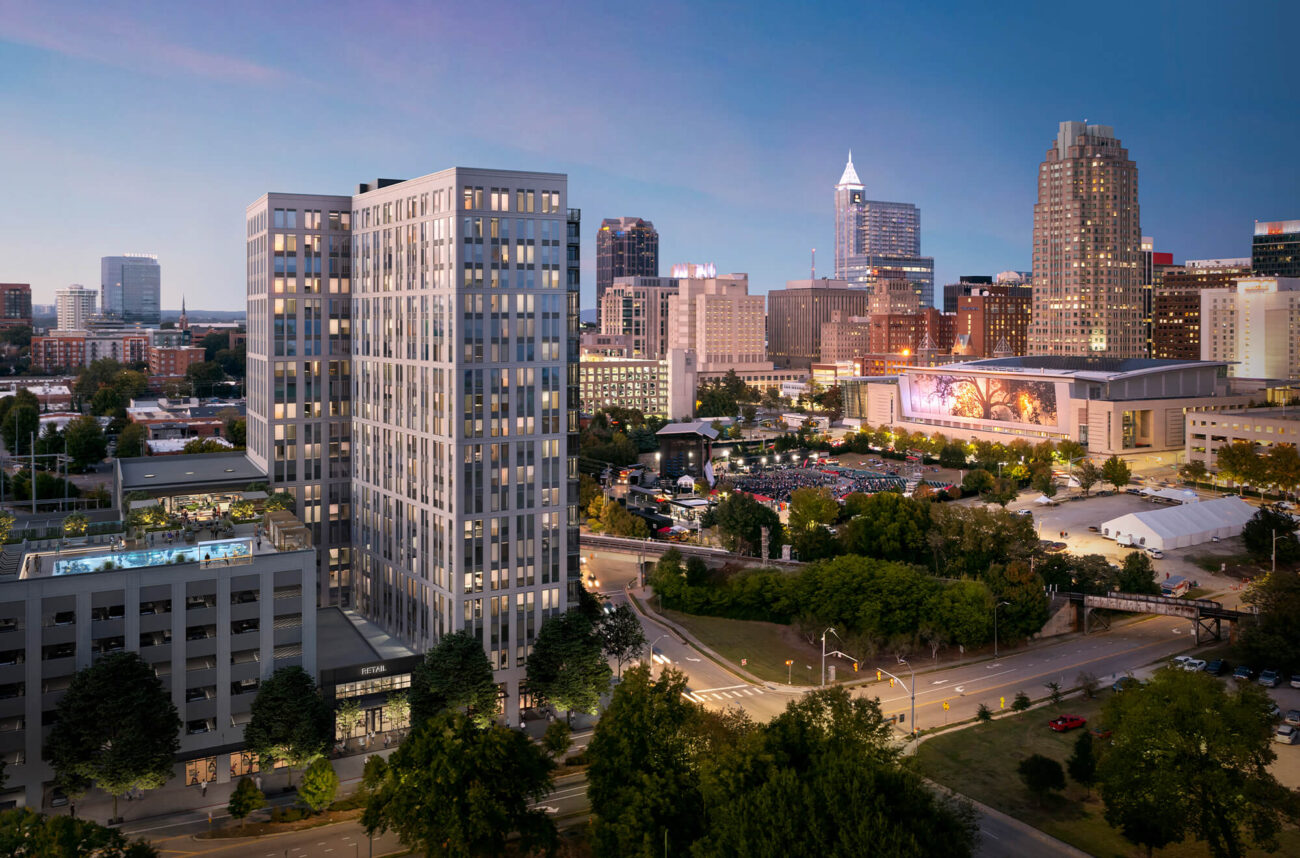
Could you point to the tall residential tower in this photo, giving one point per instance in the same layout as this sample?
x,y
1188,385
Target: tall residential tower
x,y
1088,278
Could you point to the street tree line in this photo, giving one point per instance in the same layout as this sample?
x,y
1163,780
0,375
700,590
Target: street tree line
x,y
1241,462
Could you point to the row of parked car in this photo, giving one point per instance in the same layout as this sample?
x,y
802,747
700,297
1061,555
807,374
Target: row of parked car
x,y
1287,732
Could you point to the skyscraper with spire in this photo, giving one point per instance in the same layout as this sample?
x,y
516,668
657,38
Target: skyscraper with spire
x,y
873,236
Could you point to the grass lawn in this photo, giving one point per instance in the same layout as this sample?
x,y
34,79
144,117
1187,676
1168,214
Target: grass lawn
x,y
764,646
981,762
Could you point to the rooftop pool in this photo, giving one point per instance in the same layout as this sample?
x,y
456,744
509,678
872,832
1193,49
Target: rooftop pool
x,y
224,550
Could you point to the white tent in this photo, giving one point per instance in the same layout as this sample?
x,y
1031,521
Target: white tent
x,y
1180,526
1043,499
1175,495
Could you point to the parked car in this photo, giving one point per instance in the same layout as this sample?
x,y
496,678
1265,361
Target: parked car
x,y
1194,664
1274,714
1217,667
1292,717
1156,553
1243,674
1067,722
1092,528
1025,512
1180,660
1268,678
1295,680
1286,734
1132,491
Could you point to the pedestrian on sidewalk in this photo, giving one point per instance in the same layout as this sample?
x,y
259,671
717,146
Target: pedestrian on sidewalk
x,y
203,787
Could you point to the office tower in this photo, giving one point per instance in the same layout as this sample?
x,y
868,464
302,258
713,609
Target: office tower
x,y
73,307
993,321
796,314
873,234
1154,265
299,367
461,414
1087,291
638,308
963,287
845,337
1176,304
625,247
1254,325
130,287
15,304
891,293
1275,249
721,321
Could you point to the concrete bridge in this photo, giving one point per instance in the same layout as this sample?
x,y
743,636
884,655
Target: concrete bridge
x,y
650,550
1206,615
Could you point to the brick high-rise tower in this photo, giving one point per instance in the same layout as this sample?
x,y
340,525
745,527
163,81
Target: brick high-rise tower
x,y
1087,297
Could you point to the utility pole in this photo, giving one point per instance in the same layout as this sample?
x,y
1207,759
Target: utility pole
x,y
33,473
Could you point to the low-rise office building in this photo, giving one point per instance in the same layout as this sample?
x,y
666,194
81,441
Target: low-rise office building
x,y
1207,432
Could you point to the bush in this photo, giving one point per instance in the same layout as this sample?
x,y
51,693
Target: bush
x,y
1021,703
289,814
984,713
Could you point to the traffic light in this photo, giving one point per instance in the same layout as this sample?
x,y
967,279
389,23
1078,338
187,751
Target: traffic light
x,y
891,682
855,667
878,675
902,719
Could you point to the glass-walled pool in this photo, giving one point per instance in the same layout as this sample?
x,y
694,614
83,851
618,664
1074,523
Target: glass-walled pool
x,y
223,552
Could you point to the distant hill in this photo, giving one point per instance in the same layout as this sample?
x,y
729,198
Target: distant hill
x,y
587,317
206,315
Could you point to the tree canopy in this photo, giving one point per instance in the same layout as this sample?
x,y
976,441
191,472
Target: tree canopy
x,y
289,722
455,676
567,665
23,832
1264,526
741,519
1116,472
621,634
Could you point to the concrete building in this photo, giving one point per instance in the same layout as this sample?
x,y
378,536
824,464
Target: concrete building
x,y
15,304
131,288
173,362
872,234
1176,304
889,294
73,307
845,337
1155,266
1087,292
1110,405
1275,249
720,321
797,314
1262,427
993,321
1255,327
212,633
963,287
71,349
657,387
625,247
299,377
638,308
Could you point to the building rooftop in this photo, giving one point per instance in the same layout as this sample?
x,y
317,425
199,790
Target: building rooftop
x,y
151,473
698,427
1092,368
89,558
1268,413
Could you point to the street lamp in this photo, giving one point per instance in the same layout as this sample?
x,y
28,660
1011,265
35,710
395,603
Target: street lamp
x,y
995,626
652,652
911,690
830,631
1276,537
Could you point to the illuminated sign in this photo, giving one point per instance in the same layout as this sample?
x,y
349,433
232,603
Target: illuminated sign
x,y
373,669
981,399
694,270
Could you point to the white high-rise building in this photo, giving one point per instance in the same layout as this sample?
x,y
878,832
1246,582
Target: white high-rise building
x,y
74,306
1255,326
458,397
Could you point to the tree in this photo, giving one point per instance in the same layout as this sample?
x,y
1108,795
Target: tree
x,y
23,832
983,713
107,402
202,376
740,521
953,455
348,716
557,738
1041,774
1021,702
811,506
615,520
1116,472
1259,532
1043,480
75,524
289,722
130,384
567,665
1087,475
1002,492
621,635
1282,467
245,799
978,481
117,729
319,785
6,523
85,441
455,676
1082,764
1137,575
1240,463
280,500
1196,754
1193,472
397,708
130,441
19,427
1088,684
641,779
1054,692
98,373
888,526
588,490
1068,450
204,445
456,789
1268,636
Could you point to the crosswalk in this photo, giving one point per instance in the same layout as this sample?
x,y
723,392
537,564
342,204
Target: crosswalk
x,y
722,695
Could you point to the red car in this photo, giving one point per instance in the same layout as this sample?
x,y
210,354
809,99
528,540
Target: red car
x,y
1066,722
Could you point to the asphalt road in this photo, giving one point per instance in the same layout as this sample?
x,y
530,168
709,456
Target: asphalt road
x,y
341,840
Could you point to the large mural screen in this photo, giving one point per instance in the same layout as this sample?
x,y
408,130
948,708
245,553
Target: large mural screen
x,y
1003,400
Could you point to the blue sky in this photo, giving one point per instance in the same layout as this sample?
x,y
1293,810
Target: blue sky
x,y
149,127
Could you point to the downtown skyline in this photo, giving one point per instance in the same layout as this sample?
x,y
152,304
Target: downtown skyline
x,y
725,150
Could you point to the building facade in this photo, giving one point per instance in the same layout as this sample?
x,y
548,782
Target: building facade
x,y
637,307
15,304
657,387
211,633
299,367
625,247
1176,304
173,362
845,337
797,314
963,287
1208,432
1254,327
720,321
874,234
1087,291
1275,249
993,321
131,288
72,349
73,307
